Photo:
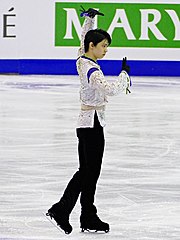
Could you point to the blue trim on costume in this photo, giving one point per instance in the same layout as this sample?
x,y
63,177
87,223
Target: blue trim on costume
x,y
68,67
91,70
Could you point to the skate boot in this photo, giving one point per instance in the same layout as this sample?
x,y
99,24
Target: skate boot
x,y
61,218
92,222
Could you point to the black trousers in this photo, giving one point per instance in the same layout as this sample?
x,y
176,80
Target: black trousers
x,y
83,182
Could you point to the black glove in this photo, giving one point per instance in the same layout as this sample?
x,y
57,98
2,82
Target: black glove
x,y
125,67
90,12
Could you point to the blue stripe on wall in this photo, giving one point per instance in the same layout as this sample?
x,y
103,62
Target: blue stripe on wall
x,y
9,66
109,67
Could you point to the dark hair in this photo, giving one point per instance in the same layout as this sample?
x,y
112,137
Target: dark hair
x,y
95,36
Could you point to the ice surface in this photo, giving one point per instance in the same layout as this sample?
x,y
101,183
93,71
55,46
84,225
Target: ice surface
x,y
138,192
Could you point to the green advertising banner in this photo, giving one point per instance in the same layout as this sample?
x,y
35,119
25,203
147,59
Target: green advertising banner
x,y
129,24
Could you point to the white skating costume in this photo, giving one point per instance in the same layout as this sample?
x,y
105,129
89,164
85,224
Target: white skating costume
x,y
94,88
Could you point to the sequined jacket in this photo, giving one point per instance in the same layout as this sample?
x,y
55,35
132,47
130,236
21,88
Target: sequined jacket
x,y
94,88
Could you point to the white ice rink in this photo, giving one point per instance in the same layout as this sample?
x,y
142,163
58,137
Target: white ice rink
x,y
138,192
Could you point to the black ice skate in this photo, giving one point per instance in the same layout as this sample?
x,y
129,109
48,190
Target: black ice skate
x,y
60,217
93,223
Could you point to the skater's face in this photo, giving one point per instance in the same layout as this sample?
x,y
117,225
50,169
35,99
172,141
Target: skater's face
x,y
100,50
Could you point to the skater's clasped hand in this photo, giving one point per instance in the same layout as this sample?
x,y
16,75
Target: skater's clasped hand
x,y
125,67
90,12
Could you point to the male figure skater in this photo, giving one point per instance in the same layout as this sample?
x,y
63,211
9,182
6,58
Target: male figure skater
x,y
94,90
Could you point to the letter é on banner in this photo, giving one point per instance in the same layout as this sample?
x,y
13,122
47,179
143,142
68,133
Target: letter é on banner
x,y
73,20
7,25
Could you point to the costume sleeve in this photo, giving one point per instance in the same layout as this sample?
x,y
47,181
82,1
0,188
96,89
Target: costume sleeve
x,y
87,25
99,82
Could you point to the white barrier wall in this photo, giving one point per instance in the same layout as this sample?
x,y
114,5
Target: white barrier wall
x,y
44,34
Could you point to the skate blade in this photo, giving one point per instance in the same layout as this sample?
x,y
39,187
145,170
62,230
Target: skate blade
x,y
83,230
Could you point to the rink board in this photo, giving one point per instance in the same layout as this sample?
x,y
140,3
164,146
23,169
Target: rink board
x,y
44,38
109,67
